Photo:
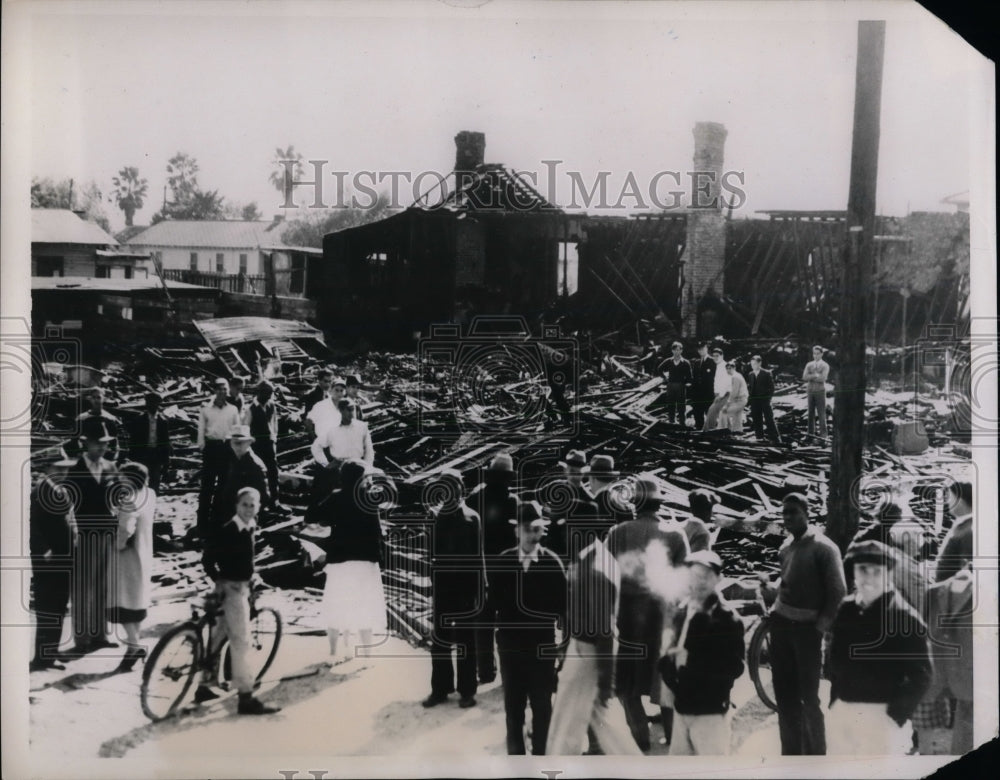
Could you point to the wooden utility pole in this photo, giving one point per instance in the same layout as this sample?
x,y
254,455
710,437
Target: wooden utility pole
x,y
859,251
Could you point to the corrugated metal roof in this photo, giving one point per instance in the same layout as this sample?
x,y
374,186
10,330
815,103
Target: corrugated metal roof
x,y
226,331
221,234
62,226
108,285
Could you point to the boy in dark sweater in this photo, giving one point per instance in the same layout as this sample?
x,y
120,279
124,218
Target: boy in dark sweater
x,y
229,561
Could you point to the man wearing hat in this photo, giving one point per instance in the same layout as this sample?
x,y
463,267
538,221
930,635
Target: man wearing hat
x,y
242,469
216,420
91,481
701,502
527,597
809,593
879,661
352,387
98,414
496,505
52,534
702,385
458,589
648,550
705,659
722,383
612,507
570,506
149,440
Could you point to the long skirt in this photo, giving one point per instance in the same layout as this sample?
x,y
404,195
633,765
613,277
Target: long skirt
x,y
353,599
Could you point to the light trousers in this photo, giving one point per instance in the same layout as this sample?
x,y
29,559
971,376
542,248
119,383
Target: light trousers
x,y
865,729
235,624
700,735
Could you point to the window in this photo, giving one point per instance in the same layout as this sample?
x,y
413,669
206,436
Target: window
x,y
243,264
220,263
128,273
194,261
568,268
102,272
297,282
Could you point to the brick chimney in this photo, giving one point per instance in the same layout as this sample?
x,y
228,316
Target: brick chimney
x,y
706,227
470,150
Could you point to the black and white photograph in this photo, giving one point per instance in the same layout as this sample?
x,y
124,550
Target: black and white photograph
x,y
488,388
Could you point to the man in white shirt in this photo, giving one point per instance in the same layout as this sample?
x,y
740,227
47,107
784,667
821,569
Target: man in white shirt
x,y
216,419
738,396
722,385
816,373
325,413
350,439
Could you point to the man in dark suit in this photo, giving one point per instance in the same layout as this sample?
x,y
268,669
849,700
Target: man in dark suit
x,y
149,441
570,506
458,591
702,385
324,382
52,537
528,598
98,414
760,385
677,374
242,469
92,482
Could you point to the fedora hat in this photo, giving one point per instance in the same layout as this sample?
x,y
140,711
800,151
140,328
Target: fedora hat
x,y
647,490
530,513
241,433
577,458
353,380
603,466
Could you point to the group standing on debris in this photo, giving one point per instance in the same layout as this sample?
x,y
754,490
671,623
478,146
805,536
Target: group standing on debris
x,y
587,593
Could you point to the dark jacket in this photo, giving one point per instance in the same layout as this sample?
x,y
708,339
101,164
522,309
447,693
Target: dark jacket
x,y
458,569
612,510
229,552
355,530
527,604
879,654
676,372
312,398
760,387
92,497
703,380
714,660
496,506
239,473
51,525
956,549
259,419
573,513
138,440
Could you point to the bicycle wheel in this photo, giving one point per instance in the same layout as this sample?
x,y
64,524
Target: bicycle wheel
x,y
265,636
759,663
170,670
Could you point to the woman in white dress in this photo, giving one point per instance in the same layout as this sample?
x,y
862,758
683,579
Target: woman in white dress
x,y
131,564
353,599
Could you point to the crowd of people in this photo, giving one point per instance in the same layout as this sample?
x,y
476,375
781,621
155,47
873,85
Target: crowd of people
x,y
586,594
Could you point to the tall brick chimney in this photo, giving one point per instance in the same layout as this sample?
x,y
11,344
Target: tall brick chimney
x,y
470,150
706,231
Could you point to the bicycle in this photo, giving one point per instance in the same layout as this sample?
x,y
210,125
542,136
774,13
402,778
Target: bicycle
x,y
184,652
759,661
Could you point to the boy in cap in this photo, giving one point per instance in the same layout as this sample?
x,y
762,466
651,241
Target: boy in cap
x,y
879,662
703,663
528,598
809,593
52,537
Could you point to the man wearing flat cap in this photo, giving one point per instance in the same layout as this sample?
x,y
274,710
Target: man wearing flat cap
x,y
458,589
528,599
705,659
879,662
809,592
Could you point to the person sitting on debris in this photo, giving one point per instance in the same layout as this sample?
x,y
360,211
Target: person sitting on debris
x,y
353,597
325,413
735,407
704,660
52,539
879,663
701,502
352,387
149,441
131,569
229,562
242,469
95,398
216,420
236,386
816,372
528,598
261,415
722,385
458,589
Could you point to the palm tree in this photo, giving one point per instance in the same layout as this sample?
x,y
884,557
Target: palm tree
x,y
287,168
130,191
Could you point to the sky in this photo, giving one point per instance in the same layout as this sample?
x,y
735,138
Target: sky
x,y
600,88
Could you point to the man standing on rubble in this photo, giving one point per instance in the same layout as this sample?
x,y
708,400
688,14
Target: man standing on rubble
x,y
261,416
816,373
149,441
216,420
736,403
95,398
242,469
236,386
612,508
809,593
760,385
348,439
496,505
722,383
677,374
702,384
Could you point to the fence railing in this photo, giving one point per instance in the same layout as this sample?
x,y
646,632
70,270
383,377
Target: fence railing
x,y
251,284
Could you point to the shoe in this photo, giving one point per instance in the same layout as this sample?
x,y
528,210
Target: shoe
x,y
467,701
131,656
250,706
203,694
45,664
434,700
486,679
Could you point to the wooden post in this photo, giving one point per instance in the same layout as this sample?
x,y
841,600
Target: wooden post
x,y
849,408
